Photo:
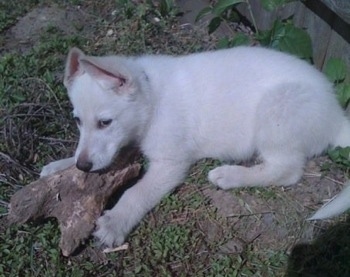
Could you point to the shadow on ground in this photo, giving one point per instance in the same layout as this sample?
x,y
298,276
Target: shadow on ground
x,y
327,256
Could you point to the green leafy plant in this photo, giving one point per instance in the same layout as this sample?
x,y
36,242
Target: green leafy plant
x,y
340,156
286,37
283,35
271,5
166,7
221,11
336,71
237,40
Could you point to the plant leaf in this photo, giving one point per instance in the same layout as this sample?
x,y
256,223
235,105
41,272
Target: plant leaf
x,y
286,37
240,39
214,24
271,5
223,43
343,94
204,12
340,155
165,7
296,41
223,5
335,69
264,37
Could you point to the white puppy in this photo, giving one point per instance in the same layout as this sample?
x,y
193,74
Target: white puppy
x,y
228,104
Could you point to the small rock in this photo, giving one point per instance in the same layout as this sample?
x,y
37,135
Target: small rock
x,y
109,33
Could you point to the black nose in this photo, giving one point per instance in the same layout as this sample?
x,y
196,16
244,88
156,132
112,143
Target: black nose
x,y
84,165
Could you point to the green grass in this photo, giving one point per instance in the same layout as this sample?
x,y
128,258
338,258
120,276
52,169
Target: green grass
x,y
184,235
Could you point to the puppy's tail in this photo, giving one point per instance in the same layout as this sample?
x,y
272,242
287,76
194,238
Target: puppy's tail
x,y
341,202
336,206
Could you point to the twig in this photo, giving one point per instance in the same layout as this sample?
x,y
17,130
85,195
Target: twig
x,y
49,88
319,175
7,158
57,140
26,115
116,249
251,214
4,203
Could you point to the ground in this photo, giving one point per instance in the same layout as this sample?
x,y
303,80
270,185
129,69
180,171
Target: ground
x,y
196,231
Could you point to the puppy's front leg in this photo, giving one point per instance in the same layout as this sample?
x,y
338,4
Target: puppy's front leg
x,y
160,179
57,166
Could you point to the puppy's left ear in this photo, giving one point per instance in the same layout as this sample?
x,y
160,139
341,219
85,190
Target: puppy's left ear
x,y
73,67
108,78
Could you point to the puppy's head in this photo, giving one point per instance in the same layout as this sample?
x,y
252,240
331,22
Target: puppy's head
x,y
103,94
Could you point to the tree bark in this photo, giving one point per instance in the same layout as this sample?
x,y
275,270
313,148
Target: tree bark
x,y
74,197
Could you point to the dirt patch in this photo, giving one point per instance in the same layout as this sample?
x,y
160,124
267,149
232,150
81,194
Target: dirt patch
x,y
276,217
27,31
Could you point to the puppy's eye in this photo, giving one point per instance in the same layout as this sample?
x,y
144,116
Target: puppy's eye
x,y
77,120
104,123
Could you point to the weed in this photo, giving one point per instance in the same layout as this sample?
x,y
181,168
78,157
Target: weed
x,y
337,72
224,266
167,7
286,37
283,35
340,156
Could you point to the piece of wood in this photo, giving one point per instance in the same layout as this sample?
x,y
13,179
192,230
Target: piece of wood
x,y
74,197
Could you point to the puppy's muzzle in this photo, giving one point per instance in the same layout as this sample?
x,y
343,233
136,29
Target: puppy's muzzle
x,y
84,165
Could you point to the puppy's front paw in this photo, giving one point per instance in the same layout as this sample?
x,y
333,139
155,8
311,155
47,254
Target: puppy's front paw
x,y
56,166
49,169
111,229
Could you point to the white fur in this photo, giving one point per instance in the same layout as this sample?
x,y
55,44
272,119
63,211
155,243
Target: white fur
x,y
227,104
336,206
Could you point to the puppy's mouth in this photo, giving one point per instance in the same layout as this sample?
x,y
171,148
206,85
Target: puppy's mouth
x,y
87,167
99,170
122,158
125,156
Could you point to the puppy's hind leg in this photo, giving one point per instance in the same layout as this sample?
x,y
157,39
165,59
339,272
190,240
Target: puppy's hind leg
x,y
276,169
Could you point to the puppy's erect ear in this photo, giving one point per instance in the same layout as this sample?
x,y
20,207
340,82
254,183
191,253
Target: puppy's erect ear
x,y
108,79
73,67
